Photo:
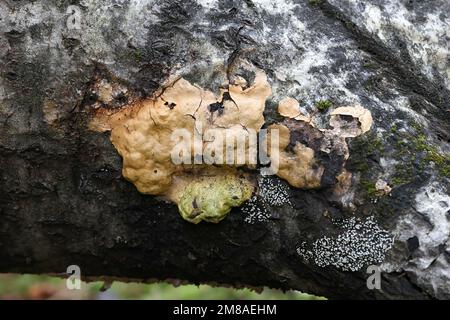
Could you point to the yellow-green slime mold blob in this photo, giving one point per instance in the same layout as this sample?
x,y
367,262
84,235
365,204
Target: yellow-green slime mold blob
x,y
211,198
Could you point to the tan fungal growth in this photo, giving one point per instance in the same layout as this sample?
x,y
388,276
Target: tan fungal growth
x,y
382,187
290,108
344,182
172,143
298,167
303,147
360,123
105,93
50,111
184,121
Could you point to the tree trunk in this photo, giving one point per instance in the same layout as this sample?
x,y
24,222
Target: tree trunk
x,y
64,201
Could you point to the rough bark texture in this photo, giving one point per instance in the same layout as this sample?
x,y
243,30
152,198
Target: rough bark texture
x,y
64,201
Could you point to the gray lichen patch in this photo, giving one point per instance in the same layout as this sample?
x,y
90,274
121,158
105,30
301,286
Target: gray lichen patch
x,y
427,261
422,37
361,243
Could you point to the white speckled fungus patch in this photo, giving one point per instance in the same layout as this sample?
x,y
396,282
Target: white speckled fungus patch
x,y
362,243
255,211
271,192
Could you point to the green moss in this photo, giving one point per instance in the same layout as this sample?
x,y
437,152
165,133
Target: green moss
x,y
372,82
432,154
369,187
394,128
442,162
369,84
412,151
415,153
138,54
367,145
211,198
399,180
404,173
375,144
370,65
362,149
315,2
446,170
323,105
416,126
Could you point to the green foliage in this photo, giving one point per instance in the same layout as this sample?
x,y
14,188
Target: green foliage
x,y
28,286
167,291
323,105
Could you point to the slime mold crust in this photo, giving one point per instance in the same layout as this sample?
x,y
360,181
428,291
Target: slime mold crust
x,y
142,133
306,156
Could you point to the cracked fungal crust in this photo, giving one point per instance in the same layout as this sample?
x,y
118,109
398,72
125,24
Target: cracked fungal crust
x,y
311,157
142,133
307,156
296,163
